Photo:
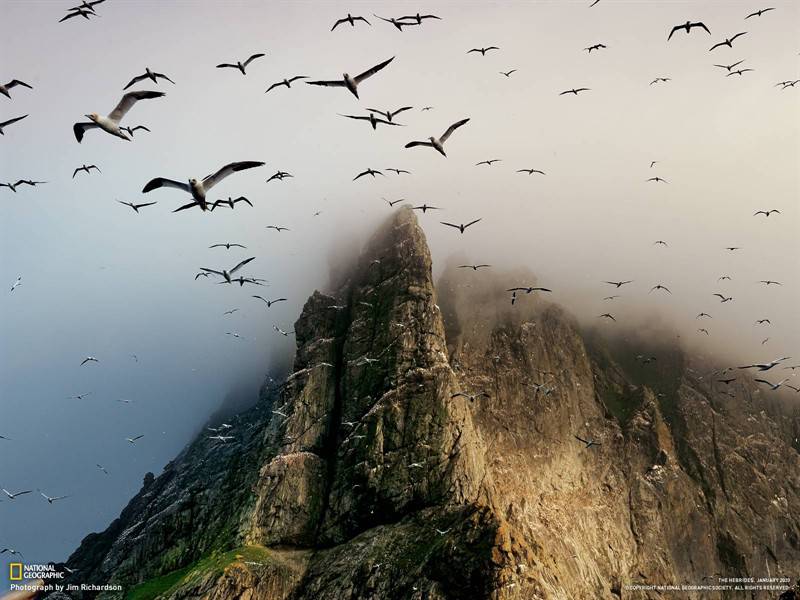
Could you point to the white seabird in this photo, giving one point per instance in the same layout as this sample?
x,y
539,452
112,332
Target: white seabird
x,y
438,143
148,74
198,189
351,83
110,124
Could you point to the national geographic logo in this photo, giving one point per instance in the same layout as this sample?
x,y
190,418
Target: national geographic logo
x,y
20,571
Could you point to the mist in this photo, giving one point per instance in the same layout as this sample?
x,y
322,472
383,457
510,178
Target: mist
x,y
101,280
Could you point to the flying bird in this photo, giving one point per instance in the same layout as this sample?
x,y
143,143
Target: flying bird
x,y
130,130
618,284
595,47
136,207
773,386
438,143
230,202
86,169
11,496
658,179
661,80
287,82
729,67
770,282
660,243
369,171
660,287
89,359
528,290
110,124
12,84
51,499
148,74
80,396
762,321
587,443
371,119
473,267
227,274
424,208
278,228
739,72
78,12
723,298
483,51
767,213
227,246
460,227
575,91
399,171
701,330
728,42
270,302
531,171
470,397
99,466
758,13
280,176
241,65
10,122
606,316
688,26
393,202
133,439
389,114
198,189
282,332
351,83
766,366
704,314
398,23
350,19
16,283
488,162
419,18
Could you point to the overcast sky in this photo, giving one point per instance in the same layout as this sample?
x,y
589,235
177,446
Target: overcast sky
x,y
98,279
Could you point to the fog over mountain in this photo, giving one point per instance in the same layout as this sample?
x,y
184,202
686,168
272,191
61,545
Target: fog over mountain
x,y
100,280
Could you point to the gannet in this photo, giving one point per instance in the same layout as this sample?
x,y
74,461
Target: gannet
x,y
438,143
227,274
351,83
286,82
241,65
198,189
110,124
148,74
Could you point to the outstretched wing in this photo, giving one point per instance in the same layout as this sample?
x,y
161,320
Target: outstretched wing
x,y
372,71
80,128
473,223
451,225
252,58
337,83
211,180
418,143
162,182
451,129
241,264
16,82
135,80
128,100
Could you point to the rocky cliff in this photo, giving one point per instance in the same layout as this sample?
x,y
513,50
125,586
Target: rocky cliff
x,y
425,448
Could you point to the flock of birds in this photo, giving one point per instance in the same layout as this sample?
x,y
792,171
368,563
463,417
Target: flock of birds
x,y
199,189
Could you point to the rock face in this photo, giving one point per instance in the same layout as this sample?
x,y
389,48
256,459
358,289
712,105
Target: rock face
x,y
418,452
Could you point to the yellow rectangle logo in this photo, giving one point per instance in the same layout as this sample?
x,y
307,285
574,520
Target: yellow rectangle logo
x,y
15,571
